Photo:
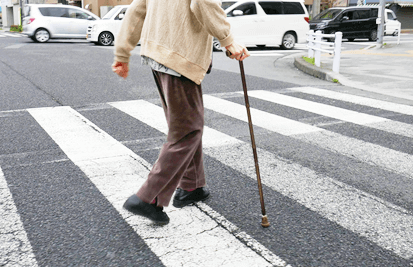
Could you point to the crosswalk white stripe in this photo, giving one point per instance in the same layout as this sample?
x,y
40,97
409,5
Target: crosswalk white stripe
x,y
382,222
12,35
373,154
317,108
154,116
338,113
115,170
272,122
15,246
365,101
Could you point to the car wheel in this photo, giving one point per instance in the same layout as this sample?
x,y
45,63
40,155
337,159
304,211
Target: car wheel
x,y
350,39
105,38
216,45
41,35
288,41
373,35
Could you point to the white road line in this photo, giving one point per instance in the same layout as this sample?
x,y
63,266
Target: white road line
x,y
337,113
317,108
12,35
17,46
191,238
381,222
271,122
380,104
372,154
384,223
154,116
15,248
265,55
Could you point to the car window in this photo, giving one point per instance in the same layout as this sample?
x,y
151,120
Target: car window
x,y
327,14
54,12
272,8
122,12
111,13
374,12
363,14
293,8
77,14
352,15
247,9
390,16
227,4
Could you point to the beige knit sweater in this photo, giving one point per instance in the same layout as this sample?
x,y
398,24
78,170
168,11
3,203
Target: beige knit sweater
x,y
175,33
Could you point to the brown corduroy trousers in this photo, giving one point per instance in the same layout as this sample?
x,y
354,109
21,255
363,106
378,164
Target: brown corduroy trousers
x,y
180,162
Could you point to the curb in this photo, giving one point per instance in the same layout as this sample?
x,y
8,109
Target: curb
x,y
312,70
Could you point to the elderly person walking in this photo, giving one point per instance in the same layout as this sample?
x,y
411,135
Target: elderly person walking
x,y
176,42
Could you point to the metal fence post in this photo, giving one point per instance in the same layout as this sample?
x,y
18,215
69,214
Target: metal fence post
x,y
318,47
310,44
398,33
337,51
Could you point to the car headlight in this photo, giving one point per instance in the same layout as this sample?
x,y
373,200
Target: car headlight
x,y
321,25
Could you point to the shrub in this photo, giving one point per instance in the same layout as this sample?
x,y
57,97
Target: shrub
x,y
16,28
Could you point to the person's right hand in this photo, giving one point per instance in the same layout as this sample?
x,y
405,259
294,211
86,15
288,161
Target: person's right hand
x,y
121,69
238,51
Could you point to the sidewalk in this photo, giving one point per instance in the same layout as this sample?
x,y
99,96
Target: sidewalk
x,y
387,70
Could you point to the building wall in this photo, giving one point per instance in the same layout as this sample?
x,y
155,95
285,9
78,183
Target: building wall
x,y
405,16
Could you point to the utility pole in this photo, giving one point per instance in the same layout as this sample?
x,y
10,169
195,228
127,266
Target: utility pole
x,y
316,8
380,31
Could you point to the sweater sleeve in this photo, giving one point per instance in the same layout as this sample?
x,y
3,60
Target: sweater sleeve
x,y
130,31
213,18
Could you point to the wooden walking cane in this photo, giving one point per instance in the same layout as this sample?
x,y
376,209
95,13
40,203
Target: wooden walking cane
x,y
264,222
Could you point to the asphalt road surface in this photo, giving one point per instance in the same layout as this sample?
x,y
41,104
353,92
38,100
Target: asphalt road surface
x,y
76,141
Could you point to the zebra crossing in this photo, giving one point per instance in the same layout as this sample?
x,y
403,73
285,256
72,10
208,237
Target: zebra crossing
x,y
13,35
375,210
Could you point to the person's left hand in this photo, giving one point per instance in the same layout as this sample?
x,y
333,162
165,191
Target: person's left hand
x,y
121,69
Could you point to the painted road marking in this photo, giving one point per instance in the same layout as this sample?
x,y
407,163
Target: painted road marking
x,y
271,122
118,172
16,46
337,113
15,246
382,222
380,104
372,154
153,115
317,108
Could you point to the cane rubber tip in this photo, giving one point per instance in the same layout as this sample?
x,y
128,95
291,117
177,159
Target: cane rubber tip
x,y
265,222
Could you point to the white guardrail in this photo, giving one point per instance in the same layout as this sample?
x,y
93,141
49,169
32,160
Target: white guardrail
x,y
316,46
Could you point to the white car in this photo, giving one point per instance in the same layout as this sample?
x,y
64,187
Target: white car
x,y
392,25
44,22
103,31
267,22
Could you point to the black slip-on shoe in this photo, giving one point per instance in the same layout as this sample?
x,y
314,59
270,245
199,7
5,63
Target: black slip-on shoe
x,y
156,214
183,198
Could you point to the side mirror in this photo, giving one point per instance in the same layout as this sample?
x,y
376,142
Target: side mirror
x,y
90,18
121,16
237,13
345,18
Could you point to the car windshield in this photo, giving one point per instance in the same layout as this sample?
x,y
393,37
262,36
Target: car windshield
x,y
112,12
327,14
227,4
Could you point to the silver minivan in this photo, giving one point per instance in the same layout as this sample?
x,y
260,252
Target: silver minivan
x,y
44,22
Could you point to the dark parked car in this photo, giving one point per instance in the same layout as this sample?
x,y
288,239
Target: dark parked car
x,y
353,22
